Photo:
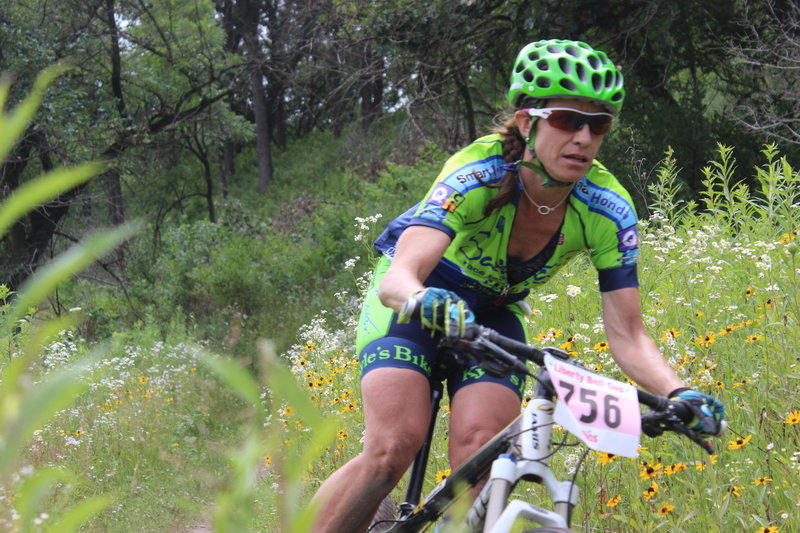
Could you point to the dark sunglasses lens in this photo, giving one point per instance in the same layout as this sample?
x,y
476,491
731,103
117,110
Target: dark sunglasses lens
x,y
570,121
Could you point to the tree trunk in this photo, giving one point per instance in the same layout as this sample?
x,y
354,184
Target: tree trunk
x,y
262,130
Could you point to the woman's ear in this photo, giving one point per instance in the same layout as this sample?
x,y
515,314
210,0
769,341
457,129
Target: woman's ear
x,y
524,122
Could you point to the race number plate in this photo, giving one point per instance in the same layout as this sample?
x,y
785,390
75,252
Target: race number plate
x,y
602,412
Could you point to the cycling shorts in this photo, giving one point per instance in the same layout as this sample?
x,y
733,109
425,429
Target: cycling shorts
x,y
382,342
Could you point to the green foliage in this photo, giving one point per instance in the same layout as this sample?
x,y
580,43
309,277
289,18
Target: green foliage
x,y
28,400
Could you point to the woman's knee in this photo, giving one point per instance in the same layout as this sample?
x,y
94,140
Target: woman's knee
x,y
390,457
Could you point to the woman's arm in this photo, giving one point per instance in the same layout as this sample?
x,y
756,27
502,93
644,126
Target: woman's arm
x,y
632,348
419,249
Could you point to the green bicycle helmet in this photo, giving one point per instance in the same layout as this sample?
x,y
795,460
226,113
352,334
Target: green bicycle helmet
x,y
559,68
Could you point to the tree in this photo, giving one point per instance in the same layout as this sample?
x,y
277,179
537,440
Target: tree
x,y
770,53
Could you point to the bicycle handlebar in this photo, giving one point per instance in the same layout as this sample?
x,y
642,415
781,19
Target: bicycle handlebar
x,y
501,355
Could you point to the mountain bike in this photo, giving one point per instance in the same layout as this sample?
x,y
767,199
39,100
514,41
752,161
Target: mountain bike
x,y
603,413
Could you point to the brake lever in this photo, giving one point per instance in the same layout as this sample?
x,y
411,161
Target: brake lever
x,y
672,422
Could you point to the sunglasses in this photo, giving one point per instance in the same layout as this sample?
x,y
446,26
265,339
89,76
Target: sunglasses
x,y
572,120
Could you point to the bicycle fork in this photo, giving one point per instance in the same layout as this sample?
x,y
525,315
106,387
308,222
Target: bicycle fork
x,y
530,460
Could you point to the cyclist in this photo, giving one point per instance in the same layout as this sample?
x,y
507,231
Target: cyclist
x,y
504,215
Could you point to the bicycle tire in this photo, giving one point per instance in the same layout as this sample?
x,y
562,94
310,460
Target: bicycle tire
x,y
384,516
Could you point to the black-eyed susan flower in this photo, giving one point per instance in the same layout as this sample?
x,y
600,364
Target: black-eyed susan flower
x,y
739,442
762,480
648,471
665,509
754,338
606,458
650,492
613,502
670,334
768,529
600,346
792,418
441,475
674,469
267,461
719,385
706,340
733,490
342,434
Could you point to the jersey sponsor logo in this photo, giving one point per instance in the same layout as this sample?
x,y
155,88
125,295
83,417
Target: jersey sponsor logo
x,y
561,239
445,197
616,206
628,239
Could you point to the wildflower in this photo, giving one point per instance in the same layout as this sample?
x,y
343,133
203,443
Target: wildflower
x,y
706,340
601,347
309,346
719,385
674,469
670,334
792,418
698,314
572,290
267,461
342,434
441,475
287,411
738,443
613,502
647,471
665,509
605,458
749,291
768,529
754,338
650,492
740,383
733,490
762,480
143,379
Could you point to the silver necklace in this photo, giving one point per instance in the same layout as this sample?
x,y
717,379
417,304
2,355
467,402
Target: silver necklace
x,y
543,209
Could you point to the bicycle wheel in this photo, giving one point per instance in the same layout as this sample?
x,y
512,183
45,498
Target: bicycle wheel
x,y
384,517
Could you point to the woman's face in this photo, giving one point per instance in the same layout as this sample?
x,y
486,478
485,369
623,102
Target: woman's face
x,y
567,156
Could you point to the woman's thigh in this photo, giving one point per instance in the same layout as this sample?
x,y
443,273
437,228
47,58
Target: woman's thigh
x,y
396,404
477,413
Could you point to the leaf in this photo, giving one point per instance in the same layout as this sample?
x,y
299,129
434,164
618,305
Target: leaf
x,y
25,411
44,188
62,268
236,377
76,516
13,124
32,491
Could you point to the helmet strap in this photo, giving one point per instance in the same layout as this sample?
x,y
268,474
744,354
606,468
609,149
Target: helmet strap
x,y
537,166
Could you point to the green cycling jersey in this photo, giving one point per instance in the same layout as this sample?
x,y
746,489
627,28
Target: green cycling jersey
x,y
600,220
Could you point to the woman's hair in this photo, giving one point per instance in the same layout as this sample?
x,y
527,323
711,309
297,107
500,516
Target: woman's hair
x,y
513,150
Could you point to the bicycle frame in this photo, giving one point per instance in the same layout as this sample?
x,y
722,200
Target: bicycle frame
x,y
521,451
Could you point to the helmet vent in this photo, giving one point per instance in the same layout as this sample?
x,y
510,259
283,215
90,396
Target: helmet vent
x,y
568,85
565,65
533,56
528,76
554,49
571,50
580,71
593,61
543,82
543,65
609,79
597,82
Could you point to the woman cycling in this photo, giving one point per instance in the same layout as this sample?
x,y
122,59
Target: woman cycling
x,y
504,215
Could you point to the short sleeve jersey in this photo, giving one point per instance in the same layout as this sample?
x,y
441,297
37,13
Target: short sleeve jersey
x,y
600,220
